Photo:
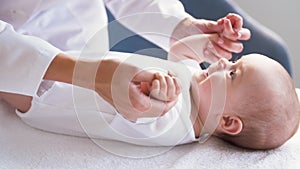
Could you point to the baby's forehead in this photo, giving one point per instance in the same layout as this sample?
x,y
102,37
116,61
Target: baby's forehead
x,y
257,59
263,74
261,64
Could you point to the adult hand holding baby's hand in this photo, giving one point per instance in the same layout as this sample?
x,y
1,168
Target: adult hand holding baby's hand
x,y
228,41
228,29
116,82
120,84
164,87
232,28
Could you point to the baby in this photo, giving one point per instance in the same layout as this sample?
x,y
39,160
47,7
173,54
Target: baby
x,y
251,103
261,109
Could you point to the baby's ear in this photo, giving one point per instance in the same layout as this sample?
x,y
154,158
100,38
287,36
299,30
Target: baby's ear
x,y
231,125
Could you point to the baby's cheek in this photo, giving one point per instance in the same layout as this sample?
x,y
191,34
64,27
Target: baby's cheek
x,y
205,88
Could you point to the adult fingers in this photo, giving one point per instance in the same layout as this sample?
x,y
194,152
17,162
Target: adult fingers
x,y
229,31
210,56
135,106
226,44
236,21
156,108
161,108
212,27
218,51
143,76
245,34
141,105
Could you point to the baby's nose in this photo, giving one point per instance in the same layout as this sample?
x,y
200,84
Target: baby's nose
x,y
221,65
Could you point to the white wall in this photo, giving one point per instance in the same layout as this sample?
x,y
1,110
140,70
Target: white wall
x,y
282,16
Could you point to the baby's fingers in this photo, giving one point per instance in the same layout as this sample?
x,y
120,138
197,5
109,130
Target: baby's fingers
x,y
159,87
165,87
175,82
171,89
177,85
156,91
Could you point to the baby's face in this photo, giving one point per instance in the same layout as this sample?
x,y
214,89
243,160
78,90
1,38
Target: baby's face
x,y
252,73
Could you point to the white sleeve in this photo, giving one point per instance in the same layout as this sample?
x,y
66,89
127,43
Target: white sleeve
x,y
23,61
155,20
191,64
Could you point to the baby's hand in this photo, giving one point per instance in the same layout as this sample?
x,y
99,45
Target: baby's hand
x,y
164,87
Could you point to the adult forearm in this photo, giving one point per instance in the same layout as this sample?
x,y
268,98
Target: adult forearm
x,y
77,71
86,73
108,77
61,69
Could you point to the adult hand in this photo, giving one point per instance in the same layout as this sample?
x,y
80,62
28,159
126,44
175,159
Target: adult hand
x,y
232,25
194,47
229,30
118,83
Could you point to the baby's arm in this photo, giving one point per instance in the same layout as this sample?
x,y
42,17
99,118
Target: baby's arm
x,y
164,87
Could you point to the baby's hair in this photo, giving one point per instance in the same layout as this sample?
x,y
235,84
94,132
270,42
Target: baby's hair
x,y
268,120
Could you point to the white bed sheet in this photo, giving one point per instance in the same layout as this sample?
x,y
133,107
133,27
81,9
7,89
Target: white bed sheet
x,y
24,147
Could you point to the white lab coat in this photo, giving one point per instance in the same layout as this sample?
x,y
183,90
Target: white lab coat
x,y
33,32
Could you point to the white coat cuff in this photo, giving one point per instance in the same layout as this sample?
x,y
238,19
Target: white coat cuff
x,y
23,61
45,55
